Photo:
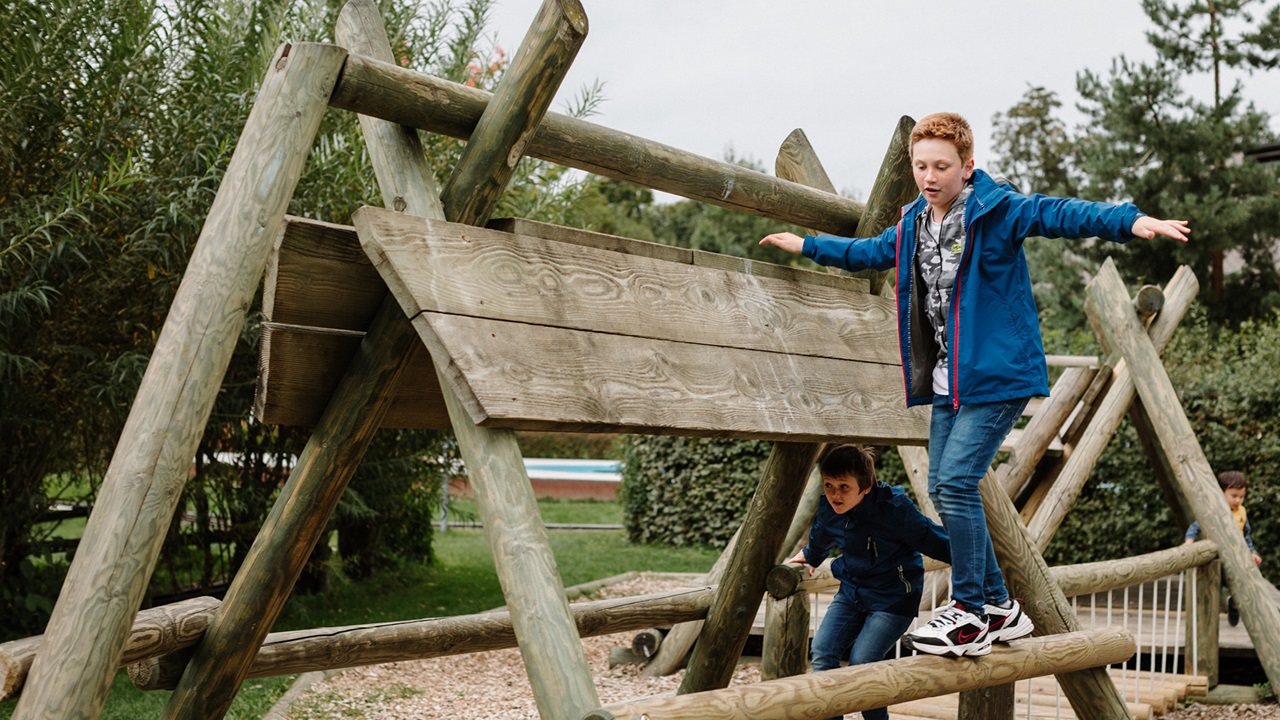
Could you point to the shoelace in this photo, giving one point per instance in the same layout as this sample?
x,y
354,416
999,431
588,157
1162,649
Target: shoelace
x,y
950,616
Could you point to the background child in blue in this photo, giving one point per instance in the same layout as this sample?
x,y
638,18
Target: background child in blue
x,y
880,534
969,336
1234,486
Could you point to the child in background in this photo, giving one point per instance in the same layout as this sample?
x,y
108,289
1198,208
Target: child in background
x,y
880,534
1234,486
969,335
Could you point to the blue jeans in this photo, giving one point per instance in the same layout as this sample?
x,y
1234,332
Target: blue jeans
x,y
871,634
962,443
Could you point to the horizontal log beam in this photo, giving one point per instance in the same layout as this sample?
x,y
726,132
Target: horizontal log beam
x,y
862,687
155,631
408,97
1081,579
299,651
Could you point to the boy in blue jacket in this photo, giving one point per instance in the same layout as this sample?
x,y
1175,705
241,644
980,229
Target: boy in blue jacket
x,y
880,534
970,342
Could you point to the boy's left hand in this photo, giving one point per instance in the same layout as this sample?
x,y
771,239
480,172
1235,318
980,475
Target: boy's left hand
x,y
1148,227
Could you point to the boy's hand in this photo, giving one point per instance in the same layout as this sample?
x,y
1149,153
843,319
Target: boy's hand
x,y
790,242
1257,559
800,560
1148,227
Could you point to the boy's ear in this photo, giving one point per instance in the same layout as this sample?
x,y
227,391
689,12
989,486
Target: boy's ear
x,y
968,169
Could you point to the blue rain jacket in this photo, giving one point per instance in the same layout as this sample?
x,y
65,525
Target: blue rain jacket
x,y
993,331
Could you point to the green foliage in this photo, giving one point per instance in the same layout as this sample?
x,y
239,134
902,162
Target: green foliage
x,y
688,491
1228,385
584,446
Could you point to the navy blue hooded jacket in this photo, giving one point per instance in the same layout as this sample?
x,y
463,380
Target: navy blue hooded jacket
x,y
993,332
880,542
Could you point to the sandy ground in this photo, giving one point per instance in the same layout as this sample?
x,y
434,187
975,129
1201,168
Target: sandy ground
x,y
493,686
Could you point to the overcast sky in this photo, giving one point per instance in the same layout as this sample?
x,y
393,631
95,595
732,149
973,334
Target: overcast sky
x,y
710,75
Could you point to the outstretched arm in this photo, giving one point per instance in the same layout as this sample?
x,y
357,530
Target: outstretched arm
x,y
1148,227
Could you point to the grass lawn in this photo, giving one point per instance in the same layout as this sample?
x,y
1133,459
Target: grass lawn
x,y
460,581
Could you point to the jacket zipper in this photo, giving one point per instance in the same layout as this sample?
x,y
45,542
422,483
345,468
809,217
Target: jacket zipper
x,y
954,350
897,298
902,576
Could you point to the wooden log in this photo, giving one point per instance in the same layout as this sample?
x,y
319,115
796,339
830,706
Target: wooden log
x,y
990,703
680,639
645,643
1043,429
894,187
1108,575
300,651
738,596
1179,294
624,656
1147,302
155,631
1108,304
372,86
122,539
1098,384
557,668
786,637
1160,467
798,533
1204,598
915,460
1091,691
861,687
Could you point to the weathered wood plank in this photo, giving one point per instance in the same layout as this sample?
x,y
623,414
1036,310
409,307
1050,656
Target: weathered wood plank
x,y
108,577
407,97
528,377
301,369
1108,305
861,687
462,270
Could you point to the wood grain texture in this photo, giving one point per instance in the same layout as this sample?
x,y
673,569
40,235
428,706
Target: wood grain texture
x,y
1043,429
861,687
108,577
302,367
319,276
155,631
1108,575
1179,293
1108,305
1090,690
299,651
407,97
738,596
1204,595
462,270
529,377
786,637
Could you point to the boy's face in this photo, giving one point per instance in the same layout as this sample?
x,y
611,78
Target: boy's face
x,y
1234,496
939,172
843,493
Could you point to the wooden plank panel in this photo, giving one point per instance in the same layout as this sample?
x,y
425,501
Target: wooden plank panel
x,y
531,377
301,366
319,276
452,268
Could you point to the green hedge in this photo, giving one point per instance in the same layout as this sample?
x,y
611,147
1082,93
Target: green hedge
x,y
695,491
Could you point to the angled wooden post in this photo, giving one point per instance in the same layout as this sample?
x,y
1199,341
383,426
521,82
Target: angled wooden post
x,y
1178,296
1204,598
1092,693
1042,429
1108,306
738,596
561,681
109,576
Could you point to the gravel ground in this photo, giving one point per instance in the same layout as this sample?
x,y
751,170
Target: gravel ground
x,y
493,685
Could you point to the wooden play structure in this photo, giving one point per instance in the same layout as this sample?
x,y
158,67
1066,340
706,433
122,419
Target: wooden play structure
x,y
423,315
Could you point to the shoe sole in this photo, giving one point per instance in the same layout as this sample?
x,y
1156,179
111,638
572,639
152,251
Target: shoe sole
x,y
971,650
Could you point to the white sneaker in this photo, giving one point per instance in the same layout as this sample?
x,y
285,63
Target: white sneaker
x,y
953,631
1005,624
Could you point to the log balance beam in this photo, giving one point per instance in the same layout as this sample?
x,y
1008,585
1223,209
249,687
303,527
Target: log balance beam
x,y
862,687
299,651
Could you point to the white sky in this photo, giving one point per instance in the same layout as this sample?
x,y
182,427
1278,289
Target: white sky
x,y
709,75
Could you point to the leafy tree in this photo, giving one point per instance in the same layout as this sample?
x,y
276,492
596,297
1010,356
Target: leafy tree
x,y
119,118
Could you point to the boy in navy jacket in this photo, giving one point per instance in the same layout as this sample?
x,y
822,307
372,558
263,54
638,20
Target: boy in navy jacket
x,y
880,534
970,342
